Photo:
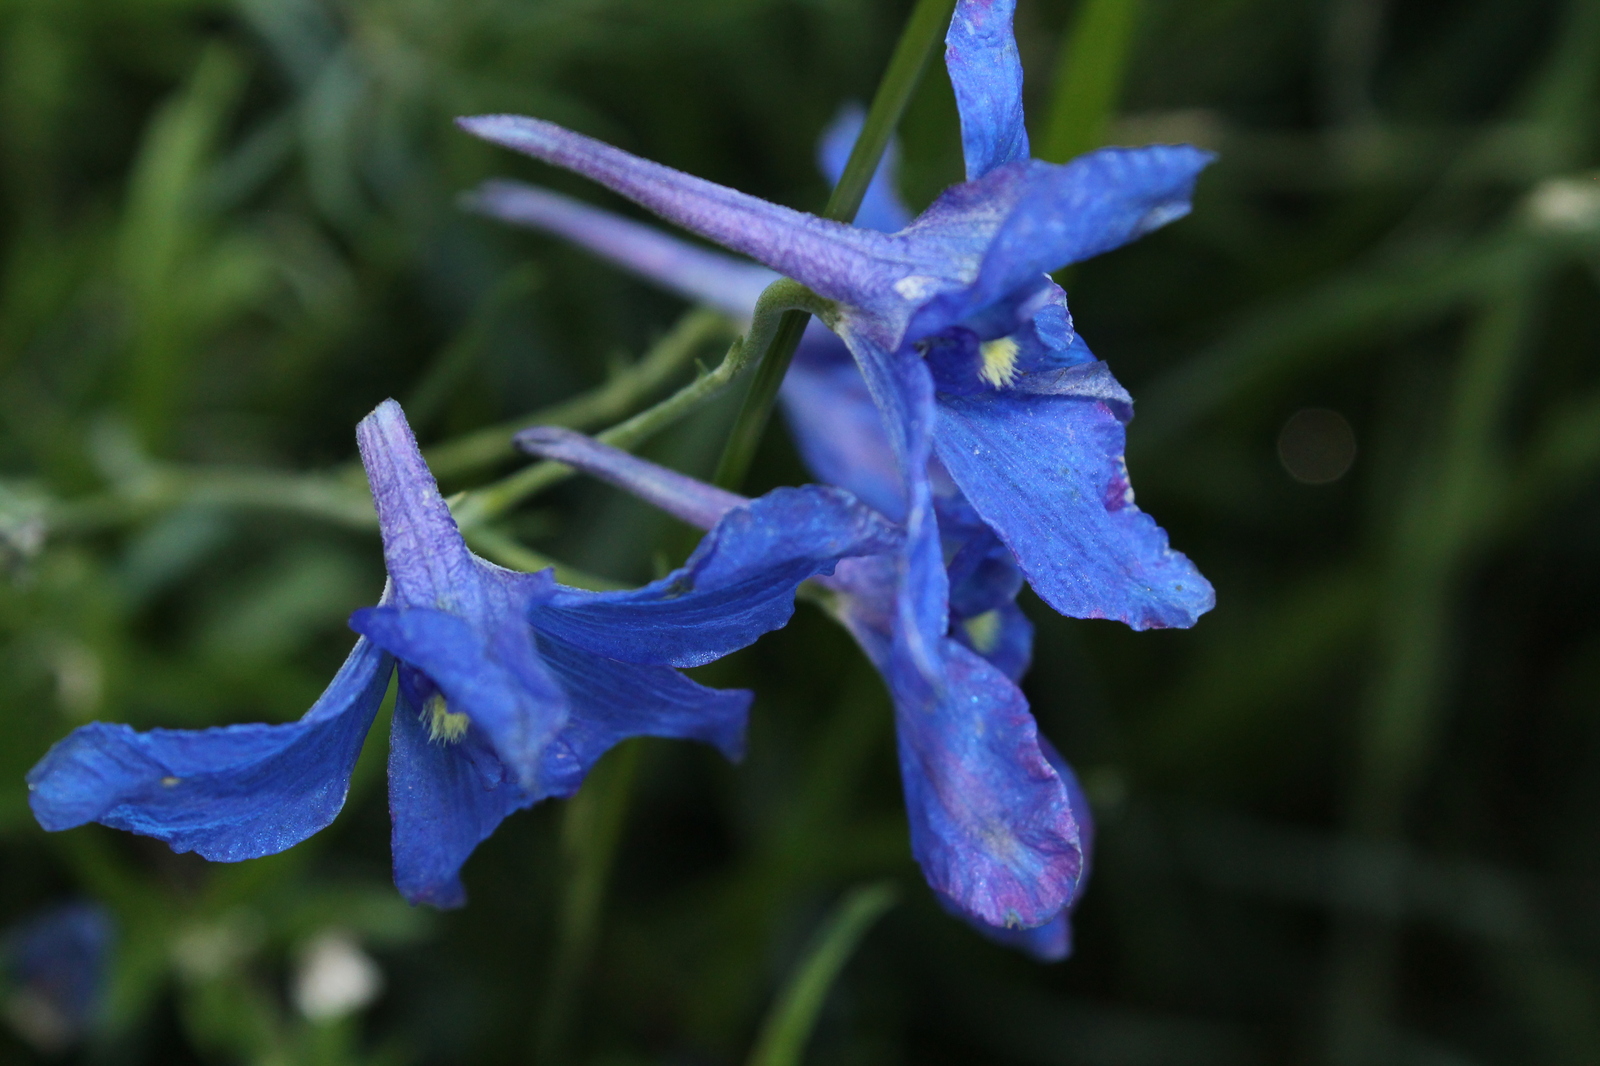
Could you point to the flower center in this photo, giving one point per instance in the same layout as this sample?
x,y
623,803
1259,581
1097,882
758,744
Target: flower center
x,y
984,631
999,361
444,725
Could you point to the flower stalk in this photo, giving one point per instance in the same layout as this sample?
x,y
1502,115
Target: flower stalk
x,y
924,32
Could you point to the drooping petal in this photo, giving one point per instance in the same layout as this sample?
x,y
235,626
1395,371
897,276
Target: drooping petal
x,y
986,73
837,428
445,798
229,793
881,208
1042,463
730,285
1052,941
902,388
991,821
612,701
840,262
738,584
498,681
679,495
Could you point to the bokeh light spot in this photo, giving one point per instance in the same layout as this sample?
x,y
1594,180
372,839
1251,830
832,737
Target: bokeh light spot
x,y
1317,446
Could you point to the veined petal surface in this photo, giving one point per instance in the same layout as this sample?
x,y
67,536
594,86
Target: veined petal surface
x,y
614,700
738,584
445,798
991,821
986,73
229,793
1044,468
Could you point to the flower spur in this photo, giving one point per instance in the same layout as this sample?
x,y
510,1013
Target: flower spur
x,y
510,686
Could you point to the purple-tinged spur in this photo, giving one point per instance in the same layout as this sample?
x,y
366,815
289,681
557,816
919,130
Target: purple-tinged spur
x,y
510,685
965,343
998,822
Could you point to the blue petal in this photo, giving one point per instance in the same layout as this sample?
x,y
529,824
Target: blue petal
x,y
229,793
612,701
730,285
837,428
497,680
986,73
902,387
1044,468
881,208
445,799
1056,215
838,261
738,584
1050,942
991,821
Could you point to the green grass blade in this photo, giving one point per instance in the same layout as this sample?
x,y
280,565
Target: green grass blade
x,y
788,1025
1089,76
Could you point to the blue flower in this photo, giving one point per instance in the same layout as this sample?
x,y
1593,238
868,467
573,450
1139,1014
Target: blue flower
x,y
56,964
510,686
965,343
1059,411
998,823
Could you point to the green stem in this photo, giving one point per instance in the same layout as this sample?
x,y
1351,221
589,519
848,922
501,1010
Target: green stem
x,y
782,296
611,401
590,833
788,1025
1089,77
924,32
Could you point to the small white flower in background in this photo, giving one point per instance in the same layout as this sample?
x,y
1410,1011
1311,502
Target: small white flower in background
x,y
335,977
209,950
1570,204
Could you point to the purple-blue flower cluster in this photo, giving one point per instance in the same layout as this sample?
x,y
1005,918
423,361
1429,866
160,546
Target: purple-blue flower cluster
x,y
967,442
954,395
510,686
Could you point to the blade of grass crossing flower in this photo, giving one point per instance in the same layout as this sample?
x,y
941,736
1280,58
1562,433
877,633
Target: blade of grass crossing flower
x,y
1090,72
923,34
788,1025
590,833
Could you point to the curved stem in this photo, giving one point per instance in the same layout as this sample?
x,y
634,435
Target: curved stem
x,y
665,359
780,298
923,34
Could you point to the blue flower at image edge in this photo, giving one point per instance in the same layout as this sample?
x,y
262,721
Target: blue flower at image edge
x,y
57,963
510,686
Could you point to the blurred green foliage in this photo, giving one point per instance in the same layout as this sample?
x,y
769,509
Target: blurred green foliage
x,y
1352,817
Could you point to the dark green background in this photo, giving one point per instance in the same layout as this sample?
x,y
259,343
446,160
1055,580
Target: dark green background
x,y
1352,817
